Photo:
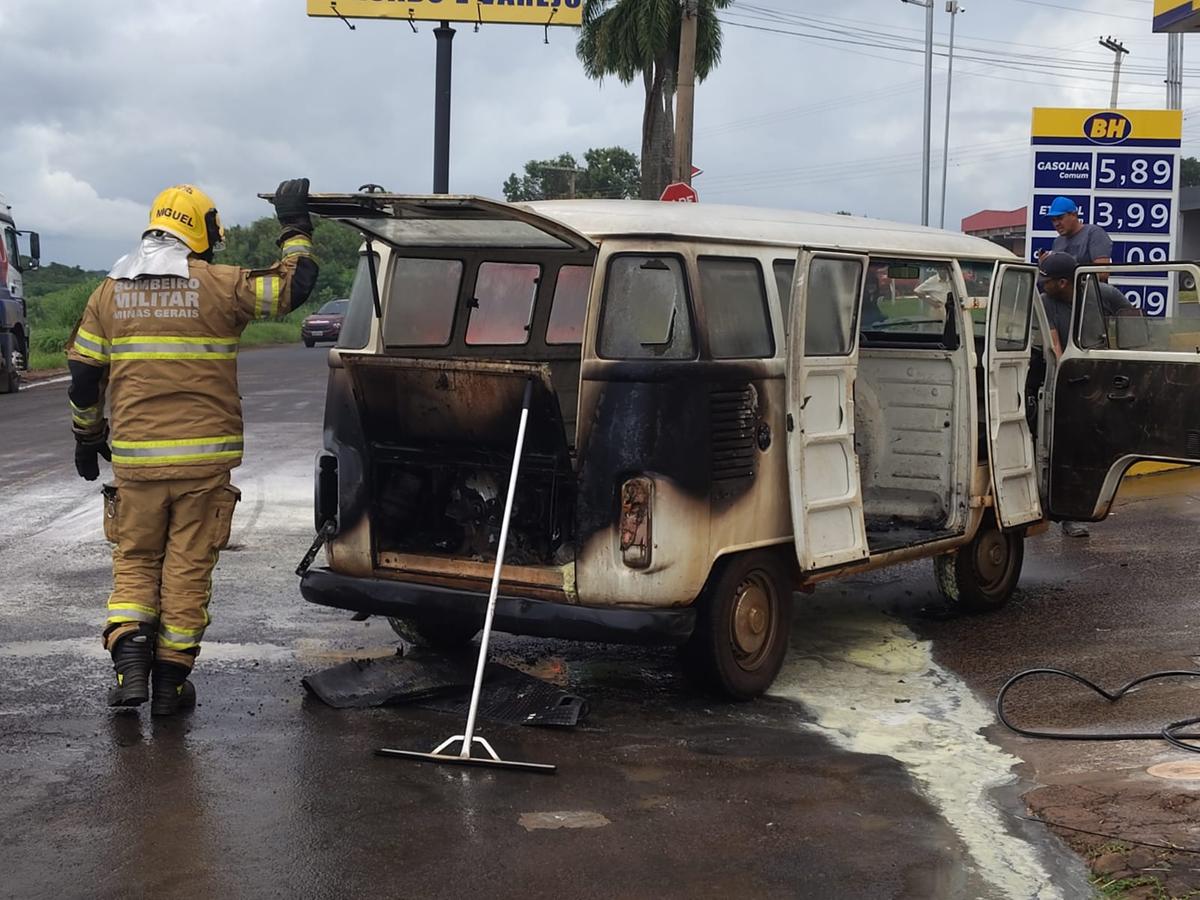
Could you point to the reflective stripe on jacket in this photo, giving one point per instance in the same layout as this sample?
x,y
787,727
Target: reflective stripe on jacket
x,y
170,349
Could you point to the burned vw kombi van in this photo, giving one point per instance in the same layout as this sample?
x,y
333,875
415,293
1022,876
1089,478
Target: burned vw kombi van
x,y
727,404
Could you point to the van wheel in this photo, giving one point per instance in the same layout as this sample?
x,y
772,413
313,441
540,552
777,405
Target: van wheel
x,y
743,621
440,636
308,342
982,575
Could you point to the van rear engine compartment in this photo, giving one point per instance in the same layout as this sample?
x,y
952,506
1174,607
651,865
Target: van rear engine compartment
x,y
440,436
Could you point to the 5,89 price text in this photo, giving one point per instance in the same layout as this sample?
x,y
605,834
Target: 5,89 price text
x,y
1135,172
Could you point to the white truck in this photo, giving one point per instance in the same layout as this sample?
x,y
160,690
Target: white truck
x,y
14,319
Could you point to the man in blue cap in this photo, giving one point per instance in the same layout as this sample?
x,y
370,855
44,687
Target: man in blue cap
x,y
1086,242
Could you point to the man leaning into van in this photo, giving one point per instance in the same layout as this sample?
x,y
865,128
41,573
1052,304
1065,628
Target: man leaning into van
x,y
1057,271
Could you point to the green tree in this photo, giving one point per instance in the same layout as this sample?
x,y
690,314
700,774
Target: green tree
x,y
335,246
628,38
1189,172
607,172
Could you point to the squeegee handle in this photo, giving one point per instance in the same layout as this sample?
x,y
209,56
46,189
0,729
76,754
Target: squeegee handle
x,y
469,732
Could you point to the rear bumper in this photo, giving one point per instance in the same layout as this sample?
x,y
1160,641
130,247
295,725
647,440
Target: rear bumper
x,y
515,615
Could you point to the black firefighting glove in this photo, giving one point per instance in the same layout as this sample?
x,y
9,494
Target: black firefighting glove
x,y
88,450
291,205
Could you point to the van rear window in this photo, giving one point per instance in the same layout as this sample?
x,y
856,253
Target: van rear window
x,y
421,301
645,312
503,304
569,310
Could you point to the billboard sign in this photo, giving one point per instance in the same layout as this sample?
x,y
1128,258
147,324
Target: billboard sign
x,y
498,12
1176,15
1121,168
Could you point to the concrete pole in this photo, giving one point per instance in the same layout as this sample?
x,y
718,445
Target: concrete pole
x,y
441,109
954,9
685,92
1119,51
925,145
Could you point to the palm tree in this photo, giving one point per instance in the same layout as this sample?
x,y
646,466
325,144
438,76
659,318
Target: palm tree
x,y
631,37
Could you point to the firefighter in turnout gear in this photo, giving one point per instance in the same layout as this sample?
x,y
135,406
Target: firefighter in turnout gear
x,y
158,343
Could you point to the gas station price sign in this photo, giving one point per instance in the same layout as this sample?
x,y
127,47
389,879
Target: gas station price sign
x,y
1121,167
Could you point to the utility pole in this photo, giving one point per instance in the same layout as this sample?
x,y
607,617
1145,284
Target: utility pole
x,y
925,165
572,175
1175,71
954,9
1119,51
441,109
685,91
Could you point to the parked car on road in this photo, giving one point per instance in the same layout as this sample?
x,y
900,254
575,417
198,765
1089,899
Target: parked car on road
x,y
325,324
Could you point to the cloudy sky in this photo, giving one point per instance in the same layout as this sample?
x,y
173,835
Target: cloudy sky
x,y
817,105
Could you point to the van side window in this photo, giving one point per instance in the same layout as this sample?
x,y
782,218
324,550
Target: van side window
x,y
502,308
785,271
905,302
645,312
831,302
735,308
1016,310
421,301
569,309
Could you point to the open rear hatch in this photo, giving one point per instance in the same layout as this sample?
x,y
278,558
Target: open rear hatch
x,y
440,435
440,426
416,220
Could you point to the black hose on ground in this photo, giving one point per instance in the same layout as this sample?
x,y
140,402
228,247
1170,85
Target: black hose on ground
x,y
1172,733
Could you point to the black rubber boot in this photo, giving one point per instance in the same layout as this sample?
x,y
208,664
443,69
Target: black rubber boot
x,y
132,656
172,690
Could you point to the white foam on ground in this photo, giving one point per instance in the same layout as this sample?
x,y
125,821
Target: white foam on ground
x,y
873,687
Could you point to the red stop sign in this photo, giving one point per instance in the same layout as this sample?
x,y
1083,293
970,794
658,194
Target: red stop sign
x,y
680,193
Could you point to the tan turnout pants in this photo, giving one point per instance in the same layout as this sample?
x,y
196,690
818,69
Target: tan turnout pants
x,y
166,536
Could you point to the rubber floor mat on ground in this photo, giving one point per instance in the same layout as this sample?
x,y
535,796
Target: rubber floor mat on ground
x,y
443,683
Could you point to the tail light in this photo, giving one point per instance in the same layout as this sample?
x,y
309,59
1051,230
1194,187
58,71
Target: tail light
x,y
637,498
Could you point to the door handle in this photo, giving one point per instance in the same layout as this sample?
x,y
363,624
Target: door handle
x,y
1121,397
1121,382
1079,379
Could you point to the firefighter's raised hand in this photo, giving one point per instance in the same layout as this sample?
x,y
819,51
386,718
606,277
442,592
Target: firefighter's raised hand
x,y
291,205
87,455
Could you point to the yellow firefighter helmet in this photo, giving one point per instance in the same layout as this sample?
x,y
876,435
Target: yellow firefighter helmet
x,y
189,214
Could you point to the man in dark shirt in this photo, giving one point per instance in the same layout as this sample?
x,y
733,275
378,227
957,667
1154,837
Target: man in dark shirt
x,y
1057,271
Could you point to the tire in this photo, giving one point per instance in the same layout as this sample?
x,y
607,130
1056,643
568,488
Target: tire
x,y
309,342
743,622
10,379
982,575
440,636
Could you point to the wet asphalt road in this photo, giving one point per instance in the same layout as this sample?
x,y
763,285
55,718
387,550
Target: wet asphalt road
x,y
863,776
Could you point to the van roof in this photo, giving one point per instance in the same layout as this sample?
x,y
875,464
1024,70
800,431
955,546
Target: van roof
x,y
599,219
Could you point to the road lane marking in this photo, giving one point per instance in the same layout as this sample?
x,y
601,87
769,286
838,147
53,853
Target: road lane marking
x,y
873,687
30,385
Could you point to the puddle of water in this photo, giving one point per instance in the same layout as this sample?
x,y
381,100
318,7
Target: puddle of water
x,y
873,687
212,651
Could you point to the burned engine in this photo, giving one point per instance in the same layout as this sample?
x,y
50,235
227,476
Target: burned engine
x,y
454,507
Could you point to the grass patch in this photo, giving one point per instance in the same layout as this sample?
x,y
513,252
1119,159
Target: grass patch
x,y
41,360
1119,887
258,334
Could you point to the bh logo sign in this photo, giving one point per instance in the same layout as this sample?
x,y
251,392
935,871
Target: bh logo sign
x,y
1107,128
